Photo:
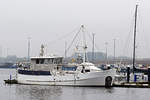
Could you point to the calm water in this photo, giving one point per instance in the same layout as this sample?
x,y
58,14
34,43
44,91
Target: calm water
x,y
37,92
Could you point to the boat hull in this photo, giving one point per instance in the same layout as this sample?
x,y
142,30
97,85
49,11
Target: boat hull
x,y
81,79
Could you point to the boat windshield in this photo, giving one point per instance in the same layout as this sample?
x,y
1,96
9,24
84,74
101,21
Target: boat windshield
x,y
72,68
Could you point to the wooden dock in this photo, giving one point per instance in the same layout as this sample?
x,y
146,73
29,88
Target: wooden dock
x,y
124,85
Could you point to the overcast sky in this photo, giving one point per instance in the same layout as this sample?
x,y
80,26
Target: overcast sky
x,y
46,21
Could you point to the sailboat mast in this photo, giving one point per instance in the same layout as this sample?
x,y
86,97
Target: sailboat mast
x,y
135,26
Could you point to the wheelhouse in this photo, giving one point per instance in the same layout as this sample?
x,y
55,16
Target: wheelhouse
x,y
45,62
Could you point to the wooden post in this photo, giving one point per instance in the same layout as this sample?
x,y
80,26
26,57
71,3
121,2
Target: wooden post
x,y
128,74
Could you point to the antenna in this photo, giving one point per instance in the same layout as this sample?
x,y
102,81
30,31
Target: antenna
x,y
29,38
65,49
93,47
1,51
7,52
42,50
106,58
114,50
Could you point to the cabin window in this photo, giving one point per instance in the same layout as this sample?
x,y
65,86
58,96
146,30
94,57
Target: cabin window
x,y
46,61
59,61
51,61
41,61
54,61
69,68
37,61
87,70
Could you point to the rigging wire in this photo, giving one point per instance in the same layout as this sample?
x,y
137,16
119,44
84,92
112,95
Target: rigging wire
x,y
73,40
143,37
90,37
128,40
62,37
84,37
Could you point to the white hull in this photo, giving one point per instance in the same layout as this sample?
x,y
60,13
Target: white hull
x,y
81,79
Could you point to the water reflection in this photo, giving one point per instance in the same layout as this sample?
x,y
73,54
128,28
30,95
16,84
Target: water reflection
x,y
37,92
109,90
84,93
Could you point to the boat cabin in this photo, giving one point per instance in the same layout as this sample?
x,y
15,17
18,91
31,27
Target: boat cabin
x,y
45,62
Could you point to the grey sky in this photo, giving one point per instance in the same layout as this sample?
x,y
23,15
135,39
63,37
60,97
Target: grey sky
x,y
47,20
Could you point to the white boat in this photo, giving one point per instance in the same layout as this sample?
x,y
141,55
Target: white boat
x,y
49,70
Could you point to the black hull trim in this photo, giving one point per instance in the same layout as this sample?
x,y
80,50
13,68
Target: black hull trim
x,y
29,72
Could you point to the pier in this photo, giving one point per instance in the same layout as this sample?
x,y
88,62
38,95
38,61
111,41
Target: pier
x,y
13,81
133,85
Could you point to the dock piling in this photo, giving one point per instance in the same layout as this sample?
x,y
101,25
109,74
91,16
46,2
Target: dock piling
x,y
128,74
149,74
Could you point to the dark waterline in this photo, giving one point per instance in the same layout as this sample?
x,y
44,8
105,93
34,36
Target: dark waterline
x,y
37,92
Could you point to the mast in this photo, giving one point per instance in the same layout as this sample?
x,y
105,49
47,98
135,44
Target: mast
x,y
7,52
29,49
114,50
42,50
106,58
135,23
85,56
84,44
65,50
93,48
